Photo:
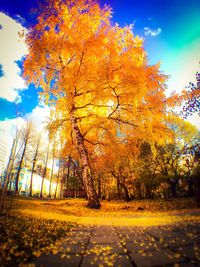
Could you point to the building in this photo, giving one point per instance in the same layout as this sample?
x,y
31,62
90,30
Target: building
x,y
24,184
4,156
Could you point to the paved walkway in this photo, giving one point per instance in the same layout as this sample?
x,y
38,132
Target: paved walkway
x,y
127,246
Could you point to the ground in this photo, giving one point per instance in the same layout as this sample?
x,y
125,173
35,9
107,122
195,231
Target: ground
x,y
66,233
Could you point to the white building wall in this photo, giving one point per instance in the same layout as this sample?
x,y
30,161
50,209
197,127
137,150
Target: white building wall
x,y
24,184
4,156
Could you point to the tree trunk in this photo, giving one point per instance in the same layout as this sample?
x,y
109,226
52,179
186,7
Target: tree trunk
x,y
68,173
8,170
58,176
119,192
50,182
31,181
148,193
173,181
19,168
99,185
44,174
126,194
190,187
33,167
138,189
93,201
173,185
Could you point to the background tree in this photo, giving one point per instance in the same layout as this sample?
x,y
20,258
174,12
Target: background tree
x,y
148,178
26,134
44,170
7,177
37,153
172,155
192,103
52,168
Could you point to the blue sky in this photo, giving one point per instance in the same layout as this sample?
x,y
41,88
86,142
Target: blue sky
x,y
170,28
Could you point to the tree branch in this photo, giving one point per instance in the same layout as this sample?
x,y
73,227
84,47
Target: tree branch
x,y
94,143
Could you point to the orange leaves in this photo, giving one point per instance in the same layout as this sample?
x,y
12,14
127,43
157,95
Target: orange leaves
x,y
100,71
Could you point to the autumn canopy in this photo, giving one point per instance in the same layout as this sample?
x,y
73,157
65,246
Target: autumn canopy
x,y
96,77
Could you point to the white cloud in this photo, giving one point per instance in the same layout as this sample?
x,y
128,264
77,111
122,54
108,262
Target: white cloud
x,y
39,116
8,131
12,48
152,32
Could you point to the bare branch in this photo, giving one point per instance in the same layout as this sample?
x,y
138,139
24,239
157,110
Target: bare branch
x,y
81,63
94,143
123,121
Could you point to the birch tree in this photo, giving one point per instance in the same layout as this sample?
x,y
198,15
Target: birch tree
x,y
96,77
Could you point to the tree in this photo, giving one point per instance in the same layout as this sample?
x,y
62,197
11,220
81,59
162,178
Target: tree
x,y
54,154
52,169
146,169
44,171
192,103
7,178
37,154
172,156
26,134
120,161
95,75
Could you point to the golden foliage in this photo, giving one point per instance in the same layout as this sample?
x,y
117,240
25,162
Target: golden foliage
x,y
95,70
23,238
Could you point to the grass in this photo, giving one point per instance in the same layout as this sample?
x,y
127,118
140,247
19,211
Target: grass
x,y
75,210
